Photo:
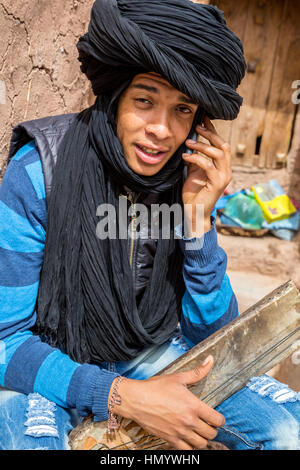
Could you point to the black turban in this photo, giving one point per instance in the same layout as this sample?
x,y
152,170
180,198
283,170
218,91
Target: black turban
x,y
86,303
187,43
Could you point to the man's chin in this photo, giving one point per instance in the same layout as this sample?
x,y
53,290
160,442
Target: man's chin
x,y
143,169
146,171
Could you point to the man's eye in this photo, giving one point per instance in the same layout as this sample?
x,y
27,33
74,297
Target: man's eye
x,y
184,110
143,100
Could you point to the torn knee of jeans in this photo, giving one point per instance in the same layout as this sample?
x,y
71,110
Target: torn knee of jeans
x,y
40,417
268,387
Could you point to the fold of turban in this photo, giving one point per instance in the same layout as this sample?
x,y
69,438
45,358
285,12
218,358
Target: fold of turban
x,y
187,43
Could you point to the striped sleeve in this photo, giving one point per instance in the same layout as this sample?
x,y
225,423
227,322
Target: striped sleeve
x,y
209,302
26,363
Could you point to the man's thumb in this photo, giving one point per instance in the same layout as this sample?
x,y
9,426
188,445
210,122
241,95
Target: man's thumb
x,y
198,373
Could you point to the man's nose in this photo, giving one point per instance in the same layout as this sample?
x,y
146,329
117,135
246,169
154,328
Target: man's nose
x,y
159,127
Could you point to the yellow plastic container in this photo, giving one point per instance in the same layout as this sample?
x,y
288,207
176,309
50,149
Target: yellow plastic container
x,y
275,204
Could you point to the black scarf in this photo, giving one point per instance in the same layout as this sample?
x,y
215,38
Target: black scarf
x,y
86,303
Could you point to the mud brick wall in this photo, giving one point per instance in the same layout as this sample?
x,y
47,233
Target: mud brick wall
x,y
39,71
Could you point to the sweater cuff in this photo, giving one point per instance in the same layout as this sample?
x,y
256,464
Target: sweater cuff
x,y
89,390
199,251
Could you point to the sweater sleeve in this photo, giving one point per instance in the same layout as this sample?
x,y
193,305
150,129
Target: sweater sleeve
x,y
209,302
26,363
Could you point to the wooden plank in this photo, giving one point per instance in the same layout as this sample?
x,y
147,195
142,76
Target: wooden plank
x,y
280,109
249,346
274,323
260,42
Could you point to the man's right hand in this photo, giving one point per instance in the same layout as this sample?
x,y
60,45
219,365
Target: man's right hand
x,y
163,406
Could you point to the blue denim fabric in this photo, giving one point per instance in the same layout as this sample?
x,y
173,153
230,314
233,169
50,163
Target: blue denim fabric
x,y
264,415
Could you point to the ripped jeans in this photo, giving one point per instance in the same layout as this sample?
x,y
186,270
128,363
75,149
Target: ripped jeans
x,y
264,415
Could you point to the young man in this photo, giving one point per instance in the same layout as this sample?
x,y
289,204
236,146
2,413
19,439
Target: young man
x,y
77,311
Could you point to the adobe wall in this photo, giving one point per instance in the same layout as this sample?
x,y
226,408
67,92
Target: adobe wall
x,y
39,71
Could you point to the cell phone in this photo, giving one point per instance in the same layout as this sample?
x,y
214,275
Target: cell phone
x,y
193,137
200,115
190,151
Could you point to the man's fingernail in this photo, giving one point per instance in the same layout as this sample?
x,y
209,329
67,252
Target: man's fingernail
x,y
206,361
190,141
201,127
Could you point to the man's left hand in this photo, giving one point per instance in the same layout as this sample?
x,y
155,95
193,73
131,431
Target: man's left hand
x,y
207,177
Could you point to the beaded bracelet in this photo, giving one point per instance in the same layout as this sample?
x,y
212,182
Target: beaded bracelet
x,y
113,422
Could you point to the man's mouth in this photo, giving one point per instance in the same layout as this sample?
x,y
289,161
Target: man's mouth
x,y
149,151
148,155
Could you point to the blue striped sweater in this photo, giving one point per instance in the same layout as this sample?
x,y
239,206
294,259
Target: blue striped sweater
x,y
29,365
